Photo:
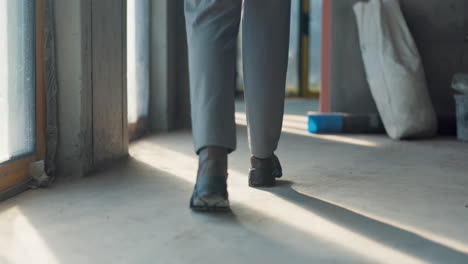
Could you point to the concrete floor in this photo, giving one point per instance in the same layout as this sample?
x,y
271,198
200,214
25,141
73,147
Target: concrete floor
x,y
344,199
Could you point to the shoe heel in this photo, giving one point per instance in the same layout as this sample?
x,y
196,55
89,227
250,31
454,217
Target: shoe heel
x,y
261,178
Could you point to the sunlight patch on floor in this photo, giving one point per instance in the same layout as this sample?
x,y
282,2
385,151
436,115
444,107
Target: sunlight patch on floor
x,y
25,242
297,124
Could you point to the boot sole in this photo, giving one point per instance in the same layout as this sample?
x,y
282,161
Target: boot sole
x,y
210,204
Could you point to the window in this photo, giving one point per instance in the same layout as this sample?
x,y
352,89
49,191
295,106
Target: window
x,y
315,45
292,77
21,114
138,59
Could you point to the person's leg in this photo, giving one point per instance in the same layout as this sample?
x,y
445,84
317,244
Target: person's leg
x,y
265,54
265,40
212,29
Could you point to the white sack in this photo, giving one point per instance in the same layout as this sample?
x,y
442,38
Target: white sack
x,y
394,70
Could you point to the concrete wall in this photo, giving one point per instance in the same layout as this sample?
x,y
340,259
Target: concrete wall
x,y
349,91
439,28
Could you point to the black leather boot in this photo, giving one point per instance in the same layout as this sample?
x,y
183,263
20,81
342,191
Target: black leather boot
x,y
264,172
210,192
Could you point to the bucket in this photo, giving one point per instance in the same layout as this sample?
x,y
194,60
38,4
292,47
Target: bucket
x,y
461,102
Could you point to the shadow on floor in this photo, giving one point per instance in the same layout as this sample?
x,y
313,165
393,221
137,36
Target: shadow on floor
x,y
386,234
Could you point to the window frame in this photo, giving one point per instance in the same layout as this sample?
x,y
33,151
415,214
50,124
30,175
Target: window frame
x,y
14,174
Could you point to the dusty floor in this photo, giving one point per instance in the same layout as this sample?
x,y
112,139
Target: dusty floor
x,y
344,199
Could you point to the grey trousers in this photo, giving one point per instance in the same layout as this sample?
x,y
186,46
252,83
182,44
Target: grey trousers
x,y
212,29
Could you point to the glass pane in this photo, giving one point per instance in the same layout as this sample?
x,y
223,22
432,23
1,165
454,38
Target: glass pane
x,y
137,59
315,45
292,78
17,80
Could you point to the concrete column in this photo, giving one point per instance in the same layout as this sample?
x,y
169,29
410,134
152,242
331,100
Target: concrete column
x,y
108,39
169,88
92,125
74,152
